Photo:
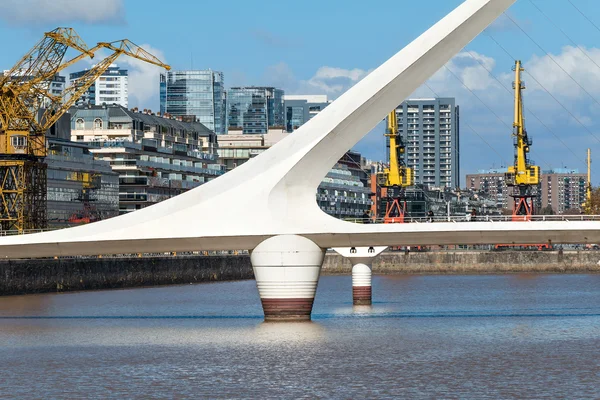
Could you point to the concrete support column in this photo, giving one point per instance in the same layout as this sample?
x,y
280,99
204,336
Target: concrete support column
x,y
361,259
287,269
361,284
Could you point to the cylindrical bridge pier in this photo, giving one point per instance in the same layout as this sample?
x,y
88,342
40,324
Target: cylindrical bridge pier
x,y
361,284
361,259
287,269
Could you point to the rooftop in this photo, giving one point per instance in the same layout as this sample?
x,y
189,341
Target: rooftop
x,y
147,117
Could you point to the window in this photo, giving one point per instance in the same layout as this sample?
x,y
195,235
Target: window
x,y
79,123
19,142
98,123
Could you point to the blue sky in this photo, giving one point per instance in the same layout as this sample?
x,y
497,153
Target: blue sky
x,y
316,47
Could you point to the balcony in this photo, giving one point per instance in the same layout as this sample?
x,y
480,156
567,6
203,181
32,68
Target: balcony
x,y
133,197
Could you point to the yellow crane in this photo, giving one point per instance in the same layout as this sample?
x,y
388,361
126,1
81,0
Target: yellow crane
x,y
522,176
22,88
396,176
588,189
28,109
587,205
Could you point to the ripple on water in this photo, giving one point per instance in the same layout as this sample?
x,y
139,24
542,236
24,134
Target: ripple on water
x,y
437,336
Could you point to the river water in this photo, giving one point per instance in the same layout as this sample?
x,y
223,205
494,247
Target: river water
x,y
512,336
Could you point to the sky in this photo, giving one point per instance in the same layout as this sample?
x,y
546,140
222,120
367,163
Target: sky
x,y
325,47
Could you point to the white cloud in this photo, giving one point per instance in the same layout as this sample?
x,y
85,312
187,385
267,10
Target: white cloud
x,y
60,11
487,92
143,79
582,64
482,90
470,69
332,81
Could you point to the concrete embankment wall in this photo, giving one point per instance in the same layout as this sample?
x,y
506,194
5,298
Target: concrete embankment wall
x,y
472,262
40,275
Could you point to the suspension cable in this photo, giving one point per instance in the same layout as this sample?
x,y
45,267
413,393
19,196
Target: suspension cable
x,y
565,34
546,90
470,127
584,16
551,58
526,108
488,107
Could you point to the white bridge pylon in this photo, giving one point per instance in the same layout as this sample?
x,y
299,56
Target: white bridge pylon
x,y
273,194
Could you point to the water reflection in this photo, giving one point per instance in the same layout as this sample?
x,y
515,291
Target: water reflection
x,y
290,332
362,310
424,336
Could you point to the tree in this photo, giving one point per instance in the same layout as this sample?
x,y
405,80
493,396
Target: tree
x,y
594,207
572,211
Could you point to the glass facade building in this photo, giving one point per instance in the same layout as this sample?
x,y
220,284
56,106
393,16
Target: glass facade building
x,y
301,108
196,95
255,109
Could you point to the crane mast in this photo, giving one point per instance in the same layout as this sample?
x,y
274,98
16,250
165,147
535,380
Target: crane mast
x,y
522,175
587,205
397,175
588,189
28,108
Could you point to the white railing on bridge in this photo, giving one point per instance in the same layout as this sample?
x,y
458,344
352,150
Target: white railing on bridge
x,y
437,218
484,218
26,231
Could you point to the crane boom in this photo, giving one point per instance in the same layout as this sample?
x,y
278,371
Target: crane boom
x,y
23,87
64,101
131,49
28,108
44,59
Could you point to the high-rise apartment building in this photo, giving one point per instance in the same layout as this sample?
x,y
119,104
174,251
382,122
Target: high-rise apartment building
x,y
492,184
301,108
563,189
255,109
430,130
109,88
195,95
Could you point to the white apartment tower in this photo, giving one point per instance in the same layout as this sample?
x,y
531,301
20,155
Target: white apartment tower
x,y
430,129
109,88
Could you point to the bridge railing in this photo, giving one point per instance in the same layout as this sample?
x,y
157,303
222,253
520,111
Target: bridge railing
x,y
437,218
484,218
24,232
